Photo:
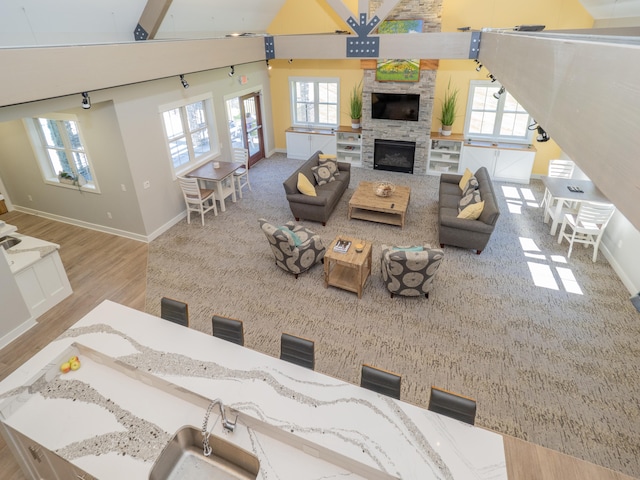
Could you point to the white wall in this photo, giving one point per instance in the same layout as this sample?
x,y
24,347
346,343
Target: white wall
x,y
125,138
14,314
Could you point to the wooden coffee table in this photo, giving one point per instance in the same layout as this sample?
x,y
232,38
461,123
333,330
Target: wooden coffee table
x,y
366,205
349,270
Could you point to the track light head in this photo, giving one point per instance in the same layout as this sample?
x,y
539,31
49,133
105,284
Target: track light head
x,y
542,135
479,67
499,93
291,60
86,101
493,79
184,83
268,66
233,71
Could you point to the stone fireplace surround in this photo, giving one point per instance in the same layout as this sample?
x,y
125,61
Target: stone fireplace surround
x,y
418,132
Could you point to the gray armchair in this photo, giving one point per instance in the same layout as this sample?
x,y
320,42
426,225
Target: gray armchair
x,y
295,247
407,272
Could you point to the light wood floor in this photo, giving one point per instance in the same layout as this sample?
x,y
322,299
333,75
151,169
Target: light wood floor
x,y
102,266
99,266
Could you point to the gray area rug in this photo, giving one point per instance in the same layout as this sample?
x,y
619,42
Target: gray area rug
x,y
547,345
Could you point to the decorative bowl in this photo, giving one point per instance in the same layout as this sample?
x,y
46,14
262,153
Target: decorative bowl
x,y
384,189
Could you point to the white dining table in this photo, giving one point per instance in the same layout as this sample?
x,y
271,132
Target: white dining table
x,y
559,190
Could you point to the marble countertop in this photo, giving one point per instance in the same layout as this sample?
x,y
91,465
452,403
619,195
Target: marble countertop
x,y
6,229
28,251
114,425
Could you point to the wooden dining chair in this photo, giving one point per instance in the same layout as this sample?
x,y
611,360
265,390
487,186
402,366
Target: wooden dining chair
x,y
175,311
556,169
197,199
452,405
381,381
228,329
241,175
297,350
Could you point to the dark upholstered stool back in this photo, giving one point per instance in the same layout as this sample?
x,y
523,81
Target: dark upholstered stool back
x,y
228,329
174,311
452,405
297,350
380,381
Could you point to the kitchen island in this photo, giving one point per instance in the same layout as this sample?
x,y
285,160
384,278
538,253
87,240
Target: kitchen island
x,y
111,419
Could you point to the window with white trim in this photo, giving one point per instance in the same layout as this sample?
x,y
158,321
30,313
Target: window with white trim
x,y
190,133
314,101
62,156
497,119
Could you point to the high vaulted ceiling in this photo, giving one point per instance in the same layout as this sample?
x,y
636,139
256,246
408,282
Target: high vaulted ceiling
x,y
46,22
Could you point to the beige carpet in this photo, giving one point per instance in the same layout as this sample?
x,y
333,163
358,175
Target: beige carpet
x,y
545,364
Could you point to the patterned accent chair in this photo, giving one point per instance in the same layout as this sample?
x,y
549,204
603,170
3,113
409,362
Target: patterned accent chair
x,y
295,247
407,271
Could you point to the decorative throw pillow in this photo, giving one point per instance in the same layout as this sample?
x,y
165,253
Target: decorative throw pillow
x,y
296,239
305,186
465,178
407,249
323,175
472,212
331,164
472,185
471,198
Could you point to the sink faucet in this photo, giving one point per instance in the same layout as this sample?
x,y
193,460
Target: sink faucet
x,y
227,424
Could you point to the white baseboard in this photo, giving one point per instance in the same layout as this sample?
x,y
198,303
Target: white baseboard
x,y
618,269
16,332
175,220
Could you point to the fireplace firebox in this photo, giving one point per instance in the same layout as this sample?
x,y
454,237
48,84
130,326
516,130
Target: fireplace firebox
x,y
394,155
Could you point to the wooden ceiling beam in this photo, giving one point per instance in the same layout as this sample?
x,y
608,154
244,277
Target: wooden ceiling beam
x,y
151,19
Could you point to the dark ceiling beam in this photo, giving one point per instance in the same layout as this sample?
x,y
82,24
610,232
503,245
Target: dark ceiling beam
x,y
151,19
584,91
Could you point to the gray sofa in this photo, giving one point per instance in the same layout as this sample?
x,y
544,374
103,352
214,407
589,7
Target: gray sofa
x,y
317,208
460,232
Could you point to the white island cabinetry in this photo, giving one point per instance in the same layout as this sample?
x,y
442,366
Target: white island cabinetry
x,y
303,142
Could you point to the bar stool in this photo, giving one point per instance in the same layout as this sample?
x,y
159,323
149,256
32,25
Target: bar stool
x,y
175,311
452,405
297,350
380,381
228,329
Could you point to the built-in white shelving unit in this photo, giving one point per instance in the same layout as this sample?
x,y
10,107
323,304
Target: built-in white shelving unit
x,y
444,153
349,145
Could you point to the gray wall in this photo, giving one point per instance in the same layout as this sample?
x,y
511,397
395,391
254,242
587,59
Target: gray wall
x,y
125,139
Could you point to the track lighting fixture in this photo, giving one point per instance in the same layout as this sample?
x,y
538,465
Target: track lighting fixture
x,y
497,94
184,83
493,79
233,71
291,60
479,67
86,101
268,66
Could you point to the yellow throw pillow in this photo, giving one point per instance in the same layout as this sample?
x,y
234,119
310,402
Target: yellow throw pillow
x,y
465,178
327,155
472,212
305,186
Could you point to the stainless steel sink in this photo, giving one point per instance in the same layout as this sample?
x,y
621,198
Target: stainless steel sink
x,y
183,458
8,242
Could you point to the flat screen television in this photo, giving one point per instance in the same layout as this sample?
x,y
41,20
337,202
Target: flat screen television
x,y
395,106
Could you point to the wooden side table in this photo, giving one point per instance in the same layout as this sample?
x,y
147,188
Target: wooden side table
x,y
349,270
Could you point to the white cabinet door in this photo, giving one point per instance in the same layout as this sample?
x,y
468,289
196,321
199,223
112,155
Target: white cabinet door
x,y
475,157
513,166
298,146
324,143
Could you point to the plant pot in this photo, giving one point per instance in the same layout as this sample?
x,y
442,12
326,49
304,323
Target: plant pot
x,y
446,130
355,123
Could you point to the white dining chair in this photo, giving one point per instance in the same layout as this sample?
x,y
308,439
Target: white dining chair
x,y
587,226
196,198
241,175
557,169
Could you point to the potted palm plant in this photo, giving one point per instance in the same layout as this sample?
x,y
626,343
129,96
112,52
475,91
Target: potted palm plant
x,y
355,105
449,109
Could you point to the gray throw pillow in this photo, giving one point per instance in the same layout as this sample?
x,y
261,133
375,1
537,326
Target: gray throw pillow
x,y
323,175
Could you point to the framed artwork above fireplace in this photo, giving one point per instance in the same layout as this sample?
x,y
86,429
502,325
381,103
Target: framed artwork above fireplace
x,y
399,70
